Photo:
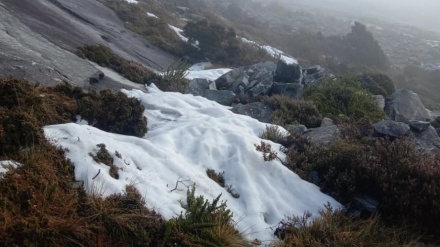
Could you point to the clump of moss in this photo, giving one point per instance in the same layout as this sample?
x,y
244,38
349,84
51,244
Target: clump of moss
x,y
103,156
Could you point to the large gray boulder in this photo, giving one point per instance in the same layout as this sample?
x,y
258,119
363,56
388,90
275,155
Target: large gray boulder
x,y
391,128
291,90
223,97
257,110
288,73
419,125
427,140
324,136
197,87
256,79
405,105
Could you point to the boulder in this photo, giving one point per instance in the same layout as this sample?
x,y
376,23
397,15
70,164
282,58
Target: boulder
x,y
438,131
197,87
223,97
380,101
255,79
324,136
327,122
299,128
96,77
427,140
257,110
405,105
419,125
288,73
291,90
391,128
363,205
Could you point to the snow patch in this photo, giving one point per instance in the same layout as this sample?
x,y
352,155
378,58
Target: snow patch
x,y
272,51
152,15
188,135
178,32
131,1
5,165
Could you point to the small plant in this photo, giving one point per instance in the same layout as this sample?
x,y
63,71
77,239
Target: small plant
x,y
290,111
266,149
103,156
273,133
231,191
217,177
173,79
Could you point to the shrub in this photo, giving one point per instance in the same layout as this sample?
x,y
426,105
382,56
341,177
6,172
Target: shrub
x,y
217,177
104,56
290,111
400,177
336,229
204,224
344,97
103,156
273,133
381,85
173,79
114,112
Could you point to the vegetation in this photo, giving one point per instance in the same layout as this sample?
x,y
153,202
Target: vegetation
x,y
290,111
345,97
104,157
173,79
104,56
216,177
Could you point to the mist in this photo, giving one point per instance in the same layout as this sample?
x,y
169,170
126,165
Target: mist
x,y
424,14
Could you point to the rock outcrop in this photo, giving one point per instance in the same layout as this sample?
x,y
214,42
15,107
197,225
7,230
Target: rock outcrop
x,y
257,110
405,105
391,128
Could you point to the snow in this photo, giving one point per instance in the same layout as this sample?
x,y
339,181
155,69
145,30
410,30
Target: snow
x,y
178,32
152,15
199,70
131,1
5,165
272,51
188,135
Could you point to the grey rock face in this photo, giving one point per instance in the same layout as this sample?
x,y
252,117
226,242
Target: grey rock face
x,y
223,97
405,105
299,128
363,204
427,140
327,122
255,79
380,100
391,128
288,73
324,136
197,87
438,131
291,90
419,125
257,110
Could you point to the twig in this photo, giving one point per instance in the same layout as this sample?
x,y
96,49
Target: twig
x,y
179,181
99,171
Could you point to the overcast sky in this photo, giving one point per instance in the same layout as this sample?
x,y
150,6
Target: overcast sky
x,y
417,12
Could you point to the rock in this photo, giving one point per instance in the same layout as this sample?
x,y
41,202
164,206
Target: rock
x,y
223,97
197,87
419,125
391,128
291,90
297,128
327,122
96,77
405,105
380,100
363,205
312,74
255,79
313,177
324,136
288,73
438,131
257,110
427,140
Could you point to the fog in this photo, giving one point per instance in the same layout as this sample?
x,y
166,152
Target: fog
x,y
421,13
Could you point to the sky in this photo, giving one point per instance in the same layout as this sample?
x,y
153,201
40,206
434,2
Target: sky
x,y
420,13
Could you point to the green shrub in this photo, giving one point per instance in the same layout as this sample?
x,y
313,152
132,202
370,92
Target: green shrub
x,y
204,224
173,79
217,177
381,85
114,112
290,111
273,133
103,156
344,97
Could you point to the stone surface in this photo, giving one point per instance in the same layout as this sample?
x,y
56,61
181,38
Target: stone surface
x,y
288,73
197,87
364,205
255,79
419,125
291,90
391,128
257,110
380,100
299,128
327,122
223,97
324,136
405,105
427,140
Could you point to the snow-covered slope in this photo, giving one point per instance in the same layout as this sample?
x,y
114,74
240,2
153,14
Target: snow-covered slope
x,y
188,135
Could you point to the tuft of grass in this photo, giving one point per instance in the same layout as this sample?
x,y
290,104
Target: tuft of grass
x,y
217,177
103,156
273,133
173,79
